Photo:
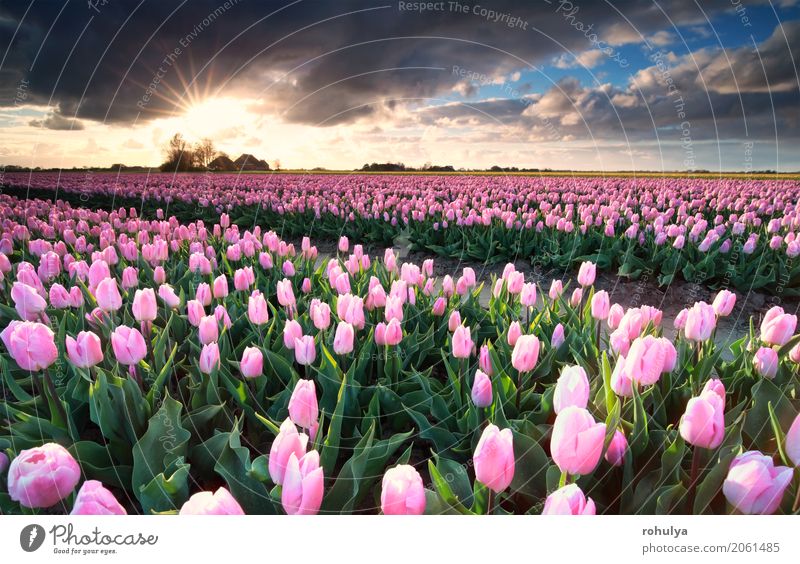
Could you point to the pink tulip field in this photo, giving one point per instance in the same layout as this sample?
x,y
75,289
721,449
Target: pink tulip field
x,y
177,344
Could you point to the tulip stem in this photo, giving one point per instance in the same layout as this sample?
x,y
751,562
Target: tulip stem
x,y
490,502
796,504
693,476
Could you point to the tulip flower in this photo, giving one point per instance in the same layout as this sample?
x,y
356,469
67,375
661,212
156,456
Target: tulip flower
x,y
343,340
42,476
587,273
194,312
754,485
558,337
724,303
31,345
568,500
208,331
572,389
305,351
303,485
287,442
28,303
144,305
221,502
257,310
514,332
615,453
85,350
252,363
700,322
577,441
494,458
778,327
481,390
107,295
303,407
766,362
402,492
285,293
94,499
168,296
291,332
703,422
393,333
485,360
601,304
461,342
793,442
526,353
209,358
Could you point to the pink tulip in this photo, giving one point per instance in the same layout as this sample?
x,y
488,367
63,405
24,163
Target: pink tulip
x,y
285,293
257,310
344,244
481,389
494,458
615,315
287,442
303,485
454,321
59,297
615,453
291,332
94,499
778,327
29,304
30,344
485,360
754,485
723,303
303,407
587,273
558,337
568,500
209,358
42,476
144,305
320,313
305,351
220,287
514,332
647,359
221,502
700,322
794,354
343,339
526,353
572,389
439,306
402,492
393,333
766,362
556,289
107,295
601,304
203,294
793,442
252,363
84,351
208,330
527,295
703,422
168,296
461,342
577,441
195,312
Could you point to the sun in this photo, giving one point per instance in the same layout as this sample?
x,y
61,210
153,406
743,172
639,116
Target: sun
x,y
212,115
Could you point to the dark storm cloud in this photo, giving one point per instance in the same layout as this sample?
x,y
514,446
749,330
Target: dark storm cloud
x,y
340,61
57,122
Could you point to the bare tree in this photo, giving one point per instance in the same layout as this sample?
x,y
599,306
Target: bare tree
x,y
177,154
205,151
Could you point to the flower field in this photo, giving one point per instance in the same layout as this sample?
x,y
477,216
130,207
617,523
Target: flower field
x,y
167,349
727,233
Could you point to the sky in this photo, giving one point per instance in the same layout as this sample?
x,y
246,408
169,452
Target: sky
x,y
562,84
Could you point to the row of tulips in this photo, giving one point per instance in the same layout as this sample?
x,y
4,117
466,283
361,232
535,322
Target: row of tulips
x,y
173,367
742,233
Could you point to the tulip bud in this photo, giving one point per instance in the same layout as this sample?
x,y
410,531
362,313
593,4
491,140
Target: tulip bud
x,y
482,390
42,476
209,358
615,454
494,458
305,351
144,305
461,342
572,389
85,351
754,485
303,407
568,500
577,441
287,442
766,362
303,485
129,345
601,305
402,492
526,353
221,502
252,363
94,499
587,273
